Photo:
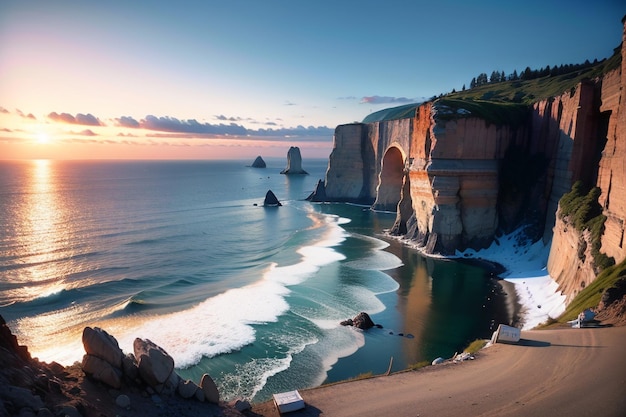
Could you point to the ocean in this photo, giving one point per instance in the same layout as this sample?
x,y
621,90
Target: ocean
x,y
183,253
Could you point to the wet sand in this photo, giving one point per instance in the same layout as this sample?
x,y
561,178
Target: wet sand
x,y
560,372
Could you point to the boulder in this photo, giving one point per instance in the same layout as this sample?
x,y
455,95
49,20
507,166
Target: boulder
x,y
361,321
294,162
271,200
129,367
259,163
102,371
98,342
155,365
187,388
122,401
211,394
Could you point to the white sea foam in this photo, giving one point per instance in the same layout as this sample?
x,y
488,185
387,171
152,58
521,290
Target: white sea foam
x,y
526,265
222,323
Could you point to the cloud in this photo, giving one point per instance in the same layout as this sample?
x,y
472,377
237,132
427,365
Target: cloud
x,y
388,100
172,124
299,131
229,119
26,116
86,132
80,119
127,121
3,110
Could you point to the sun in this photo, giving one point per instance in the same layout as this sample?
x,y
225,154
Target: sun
x,y
43,138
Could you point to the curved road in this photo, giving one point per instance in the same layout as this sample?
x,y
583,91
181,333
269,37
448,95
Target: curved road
x,y
562,372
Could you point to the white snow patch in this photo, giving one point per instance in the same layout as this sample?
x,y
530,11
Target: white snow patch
x,y
526,265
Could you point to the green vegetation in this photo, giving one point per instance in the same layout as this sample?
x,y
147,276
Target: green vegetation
x,y
418,365
527,90
503,100
475,346
581,209
590,296
365,375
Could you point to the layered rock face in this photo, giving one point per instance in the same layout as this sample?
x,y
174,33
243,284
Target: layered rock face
x,y
454,179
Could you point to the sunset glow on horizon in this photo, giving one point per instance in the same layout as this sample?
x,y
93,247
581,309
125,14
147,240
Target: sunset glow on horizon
x,y
198,80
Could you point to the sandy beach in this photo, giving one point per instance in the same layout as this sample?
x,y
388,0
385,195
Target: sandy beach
x,y
560,372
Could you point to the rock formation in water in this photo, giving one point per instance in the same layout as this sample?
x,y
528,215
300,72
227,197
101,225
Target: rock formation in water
x,y
456,177
294,162
361,321
258,163
271,200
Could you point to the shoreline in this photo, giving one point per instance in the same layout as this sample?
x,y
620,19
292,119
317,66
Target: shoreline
x,y
506,379
518,267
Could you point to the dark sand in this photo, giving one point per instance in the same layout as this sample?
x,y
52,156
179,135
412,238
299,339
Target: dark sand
x,y
561,372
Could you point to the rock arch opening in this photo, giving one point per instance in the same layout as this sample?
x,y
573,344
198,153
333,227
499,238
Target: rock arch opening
x,y
390,181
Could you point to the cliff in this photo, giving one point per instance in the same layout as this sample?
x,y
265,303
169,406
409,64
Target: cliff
x,y
457,172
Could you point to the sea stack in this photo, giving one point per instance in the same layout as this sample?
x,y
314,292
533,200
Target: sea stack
x,y
259,163
271,200
294,162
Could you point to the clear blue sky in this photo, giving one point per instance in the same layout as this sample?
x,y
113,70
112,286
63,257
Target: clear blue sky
x,y
170,72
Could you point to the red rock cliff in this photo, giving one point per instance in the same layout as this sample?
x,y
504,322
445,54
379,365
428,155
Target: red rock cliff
x,y
455,179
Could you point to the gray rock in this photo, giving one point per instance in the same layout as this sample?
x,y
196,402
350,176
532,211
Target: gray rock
x,y
129,367
211,394
187,388
200,395
259,163
271,200
122,401
44,412
294,162
70,411
20,397
155,365
438,361
102,371
98,342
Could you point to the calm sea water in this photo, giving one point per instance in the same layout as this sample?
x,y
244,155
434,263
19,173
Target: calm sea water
x,y
183,253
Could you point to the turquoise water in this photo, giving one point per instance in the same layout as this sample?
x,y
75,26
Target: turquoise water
x,y
182,253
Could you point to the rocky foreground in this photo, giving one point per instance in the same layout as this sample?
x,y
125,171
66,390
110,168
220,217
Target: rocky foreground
x,y
106,383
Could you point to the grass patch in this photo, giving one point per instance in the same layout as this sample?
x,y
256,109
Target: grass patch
x,y
506,102
365,375
418,365
531,91
581,209
592,294
475,346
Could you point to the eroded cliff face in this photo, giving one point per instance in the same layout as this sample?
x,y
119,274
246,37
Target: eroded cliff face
x,y
570,262
455,180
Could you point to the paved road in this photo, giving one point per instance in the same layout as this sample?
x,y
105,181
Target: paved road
x,y
562,372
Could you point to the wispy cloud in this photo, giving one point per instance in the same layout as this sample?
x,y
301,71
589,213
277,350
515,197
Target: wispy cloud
x,y
193,127
26,116
86,132
3,110
172,124
388,100
80,119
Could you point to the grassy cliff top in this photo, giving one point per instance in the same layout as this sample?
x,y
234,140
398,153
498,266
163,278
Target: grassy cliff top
x,y
505,102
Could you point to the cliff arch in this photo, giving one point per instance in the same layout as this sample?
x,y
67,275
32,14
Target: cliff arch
x,y
390,180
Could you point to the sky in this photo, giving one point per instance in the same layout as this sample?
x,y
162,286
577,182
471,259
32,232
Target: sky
x,y
233,79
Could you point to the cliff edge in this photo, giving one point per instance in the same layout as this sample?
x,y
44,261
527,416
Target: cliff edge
x,y
457,172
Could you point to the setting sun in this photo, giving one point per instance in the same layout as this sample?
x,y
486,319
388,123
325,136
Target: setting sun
x,y
43,137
